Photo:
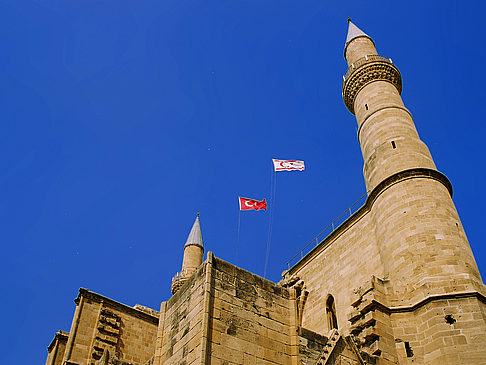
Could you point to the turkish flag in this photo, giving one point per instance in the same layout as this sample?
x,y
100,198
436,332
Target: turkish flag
x,y
252,204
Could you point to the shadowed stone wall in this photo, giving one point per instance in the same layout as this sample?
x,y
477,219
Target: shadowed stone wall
x,y
56,348
226,315
180,331
104,328
253,319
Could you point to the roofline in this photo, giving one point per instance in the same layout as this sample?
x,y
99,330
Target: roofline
x,y
398,177
113,303
193,244
59,335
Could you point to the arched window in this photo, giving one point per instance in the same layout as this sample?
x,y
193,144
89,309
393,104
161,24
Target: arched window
x,y
331,313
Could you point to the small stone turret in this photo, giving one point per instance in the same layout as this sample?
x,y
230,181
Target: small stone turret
x,y
193,256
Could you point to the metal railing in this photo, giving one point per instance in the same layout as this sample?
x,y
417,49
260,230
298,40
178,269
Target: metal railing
x,y
182,273
328,230
363,60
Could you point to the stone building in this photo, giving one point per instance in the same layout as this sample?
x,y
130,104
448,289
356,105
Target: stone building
x,y
396,283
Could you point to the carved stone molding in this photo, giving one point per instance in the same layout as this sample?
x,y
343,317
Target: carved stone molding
x,y
177,284
374,70
369,324
107,336
301,294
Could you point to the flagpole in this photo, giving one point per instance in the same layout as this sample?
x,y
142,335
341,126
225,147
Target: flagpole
x,y
273,185
237,237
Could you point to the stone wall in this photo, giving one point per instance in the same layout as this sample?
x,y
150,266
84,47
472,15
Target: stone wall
x,y
56,348
422,240
252,319
345,260
180,331
390,324
446,331
226,315
387,135
104,327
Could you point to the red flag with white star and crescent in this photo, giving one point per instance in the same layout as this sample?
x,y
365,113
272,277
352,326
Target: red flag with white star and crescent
x,y
252,204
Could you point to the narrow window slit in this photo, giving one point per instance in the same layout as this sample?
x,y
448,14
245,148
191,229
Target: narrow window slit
x,y
408,349
366,106
393,144
331,313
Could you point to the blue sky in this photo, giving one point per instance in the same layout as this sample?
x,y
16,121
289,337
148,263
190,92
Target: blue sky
x,y
122,119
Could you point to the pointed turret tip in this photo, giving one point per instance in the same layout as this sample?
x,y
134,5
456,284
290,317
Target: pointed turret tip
x,y
195,236
353,33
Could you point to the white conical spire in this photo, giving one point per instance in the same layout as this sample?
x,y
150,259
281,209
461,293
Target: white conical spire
x,y
354,32
195,236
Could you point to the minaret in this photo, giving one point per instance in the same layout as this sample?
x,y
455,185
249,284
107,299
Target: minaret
x,y
434,289
193,256
423,246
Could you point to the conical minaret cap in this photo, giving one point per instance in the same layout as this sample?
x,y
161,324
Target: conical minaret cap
x,y
195,236
353,33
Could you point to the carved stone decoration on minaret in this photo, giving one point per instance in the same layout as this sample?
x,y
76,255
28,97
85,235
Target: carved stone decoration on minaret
x,y
193,256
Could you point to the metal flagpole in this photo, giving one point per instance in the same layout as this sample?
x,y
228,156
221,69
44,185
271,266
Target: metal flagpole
x,y
273,189
237,237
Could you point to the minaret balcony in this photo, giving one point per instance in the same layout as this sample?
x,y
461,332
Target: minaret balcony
x,y
180,278
365,70
183,274
363,60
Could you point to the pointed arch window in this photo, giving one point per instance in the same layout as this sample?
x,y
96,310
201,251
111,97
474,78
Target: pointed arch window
x,y
331,313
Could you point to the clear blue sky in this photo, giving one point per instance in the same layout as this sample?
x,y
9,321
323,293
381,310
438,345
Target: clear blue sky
x,y
122,119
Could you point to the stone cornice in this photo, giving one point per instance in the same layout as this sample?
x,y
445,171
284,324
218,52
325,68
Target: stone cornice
x,y
373,195
428,299
373,70
61,336
193,244
85,293
405,175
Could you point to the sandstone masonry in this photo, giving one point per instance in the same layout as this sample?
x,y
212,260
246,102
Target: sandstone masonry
x,y
396,283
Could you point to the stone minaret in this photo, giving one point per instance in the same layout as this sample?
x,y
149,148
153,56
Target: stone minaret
x,y
193,256
424,249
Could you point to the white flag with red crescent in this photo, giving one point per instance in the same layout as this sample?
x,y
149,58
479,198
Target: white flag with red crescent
x,y
288,165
